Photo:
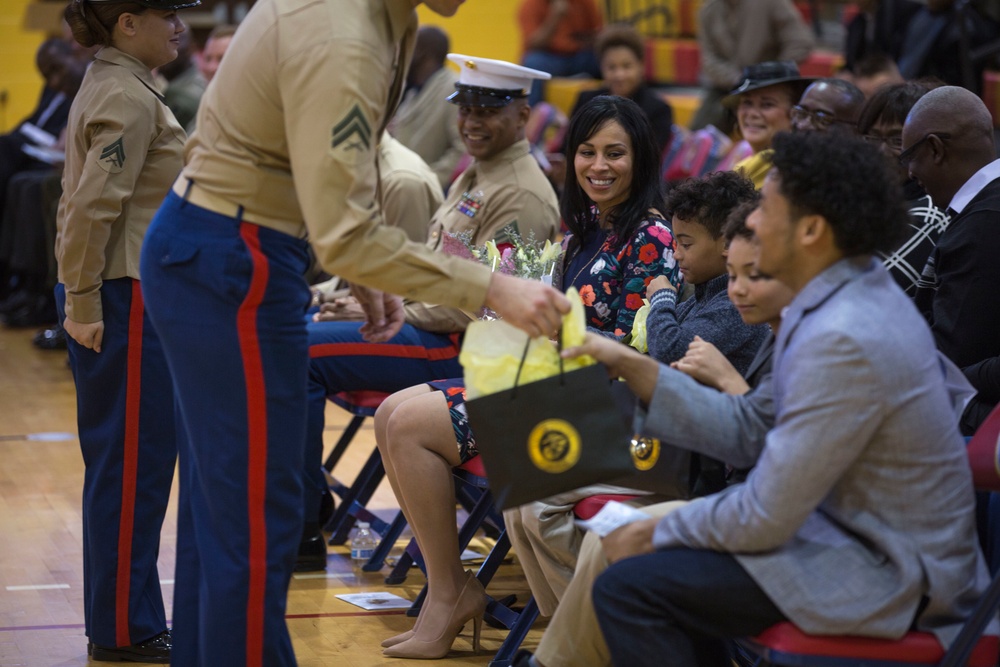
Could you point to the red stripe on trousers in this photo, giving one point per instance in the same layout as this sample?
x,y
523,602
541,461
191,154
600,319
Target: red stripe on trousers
x,y
246,327
130,465
383,350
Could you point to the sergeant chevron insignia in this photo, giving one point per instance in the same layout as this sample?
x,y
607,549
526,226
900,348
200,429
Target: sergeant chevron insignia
x,y
113,156
352,136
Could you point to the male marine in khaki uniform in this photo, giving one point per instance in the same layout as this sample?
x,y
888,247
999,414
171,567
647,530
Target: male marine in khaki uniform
x,y
285,146
504,187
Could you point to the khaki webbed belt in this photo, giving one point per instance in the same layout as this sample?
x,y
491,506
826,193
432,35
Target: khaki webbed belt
x,y
193,193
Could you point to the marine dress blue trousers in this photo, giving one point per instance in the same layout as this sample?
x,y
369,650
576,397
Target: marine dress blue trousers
x,y
228,298
341,360
125,418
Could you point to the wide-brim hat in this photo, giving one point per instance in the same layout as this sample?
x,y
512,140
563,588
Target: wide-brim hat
x,y
762,75
166,5
484,82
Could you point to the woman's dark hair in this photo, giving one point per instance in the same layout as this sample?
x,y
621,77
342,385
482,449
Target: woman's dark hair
x,y
848,182
644,193
736,223
891,104
93,23
620,34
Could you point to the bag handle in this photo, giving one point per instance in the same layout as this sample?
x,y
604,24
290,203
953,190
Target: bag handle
x,y
524,357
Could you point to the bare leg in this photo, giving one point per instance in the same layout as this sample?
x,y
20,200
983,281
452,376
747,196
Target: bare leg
x,y
382,417
420,443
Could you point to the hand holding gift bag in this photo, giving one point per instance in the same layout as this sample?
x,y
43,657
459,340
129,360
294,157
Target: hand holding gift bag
x,y
544,427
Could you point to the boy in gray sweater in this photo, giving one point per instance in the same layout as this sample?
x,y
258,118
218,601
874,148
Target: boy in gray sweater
x,y
699,208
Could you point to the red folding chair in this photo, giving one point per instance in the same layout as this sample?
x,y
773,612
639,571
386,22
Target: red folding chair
x,y
785,645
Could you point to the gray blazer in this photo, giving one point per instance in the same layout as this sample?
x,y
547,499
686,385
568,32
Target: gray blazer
x,y
860,503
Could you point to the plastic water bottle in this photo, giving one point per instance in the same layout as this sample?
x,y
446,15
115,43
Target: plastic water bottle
x,y
363,545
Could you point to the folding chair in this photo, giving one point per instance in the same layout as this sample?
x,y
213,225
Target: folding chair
x,y
785,645
361,404
472,490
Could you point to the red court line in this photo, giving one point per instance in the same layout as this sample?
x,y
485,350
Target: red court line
x,y
343,614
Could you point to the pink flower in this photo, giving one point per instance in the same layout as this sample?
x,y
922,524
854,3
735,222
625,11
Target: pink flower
x,y
662,234
453,245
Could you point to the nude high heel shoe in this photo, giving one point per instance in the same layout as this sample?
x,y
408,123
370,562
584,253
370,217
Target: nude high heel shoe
x,y
470,605
397,639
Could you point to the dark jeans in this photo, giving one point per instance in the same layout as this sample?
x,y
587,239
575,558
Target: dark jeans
x,y
678,606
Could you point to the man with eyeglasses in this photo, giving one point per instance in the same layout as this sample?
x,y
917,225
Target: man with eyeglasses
x,y
948,147
828,105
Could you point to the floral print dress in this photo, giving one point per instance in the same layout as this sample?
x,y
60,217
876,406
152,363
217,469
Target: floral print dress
x,y
612,284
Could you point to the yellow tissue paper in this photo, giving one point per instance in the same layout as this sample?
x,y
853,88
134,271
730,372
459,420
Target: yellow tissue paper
x,y
492,350
638,339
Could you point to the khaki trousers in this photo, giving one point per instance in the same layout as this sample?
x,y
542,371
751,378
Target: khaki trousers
x,y
573,637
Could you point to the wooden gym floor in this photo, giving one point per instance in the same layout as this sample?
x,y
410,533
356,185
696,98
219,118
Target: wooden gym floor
x,y
41,562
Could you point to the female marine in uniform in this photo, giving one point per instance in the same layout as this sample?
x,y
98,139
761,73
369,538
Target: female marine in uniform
x,y
123,151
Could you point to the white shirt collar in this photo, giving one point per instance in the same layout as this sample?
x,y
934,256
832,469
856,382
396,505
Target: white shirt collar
x,y
974,185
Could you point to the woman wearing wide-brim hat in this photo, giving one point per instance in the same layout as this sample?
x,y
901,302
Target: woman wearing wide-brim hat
x,y
763,104
123,150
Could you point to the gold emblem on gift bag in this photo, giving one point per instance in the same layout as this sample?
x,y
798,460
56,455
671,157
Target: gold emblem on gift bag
x,y
554,445
645,452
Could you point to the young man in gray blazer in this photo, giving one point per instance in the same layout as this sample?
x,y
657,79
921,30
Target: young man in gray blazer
x,y
858,516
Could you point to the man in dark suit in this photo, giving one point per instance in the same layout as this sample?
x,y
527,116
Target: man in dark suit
x,y
948,147
62,77
23,170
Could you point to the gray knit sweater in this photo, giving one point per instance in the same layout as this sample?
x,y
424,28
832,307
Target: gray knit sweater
x,y
672,326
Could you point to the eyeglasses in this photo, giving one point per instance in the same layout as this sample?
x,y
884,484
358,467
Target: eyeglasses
x,y
893,141
906,157
820,119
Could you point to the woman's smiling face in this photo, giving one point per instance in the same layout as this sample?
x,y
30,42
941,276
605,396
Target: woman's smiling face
x,y
764,112
603,166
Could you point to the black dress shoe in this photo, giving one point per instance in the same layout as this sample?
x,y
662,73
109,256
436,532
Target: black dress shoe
x,y
53,338
155,650
312,553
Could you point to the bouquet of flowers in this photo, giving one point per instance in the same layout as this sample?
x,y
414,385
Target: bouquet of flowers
x,y
523,258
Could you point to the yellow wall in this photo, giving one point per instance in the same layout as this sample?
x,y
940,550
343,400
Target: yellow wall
x,y
18,76
484,28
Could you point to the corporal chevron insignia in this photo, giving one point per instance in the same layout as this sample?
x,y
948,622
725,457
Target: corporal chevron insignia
x,y
113,156
352,136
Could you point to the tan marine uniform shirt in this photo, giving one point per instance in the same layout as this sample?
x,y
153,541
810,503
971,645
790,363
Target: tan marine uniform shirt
x,y
123,150
509,189
306,87
411,193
